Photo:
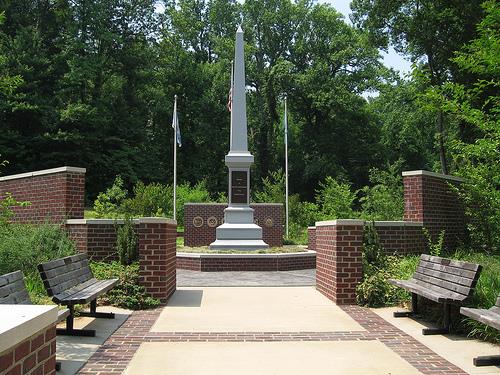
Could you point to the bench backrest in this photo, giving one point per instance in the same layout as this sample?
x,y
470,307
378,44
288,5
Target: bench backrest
x,y
13,290
448,274
65,273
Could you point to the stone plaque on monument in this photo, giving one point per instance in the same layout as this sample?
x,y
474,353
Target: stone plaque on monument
x,y
239,192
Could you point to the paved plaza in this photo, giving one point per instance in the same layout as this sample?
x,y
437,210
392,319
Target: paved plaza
x,y
276,330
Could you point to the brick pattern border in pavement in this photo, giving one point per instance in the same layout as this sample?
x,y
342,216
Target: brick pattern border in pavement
x,y
116,353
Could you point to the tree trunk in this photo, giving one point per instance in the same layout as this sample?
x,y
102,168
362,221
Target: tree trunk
x,y
442,149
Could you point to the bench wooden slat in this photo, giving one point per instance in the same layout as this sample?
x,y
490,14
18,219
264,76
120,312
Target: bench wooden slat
x,y
69,292
91,292
451,262
63,261
464,281
442,283
447,269
487,317
414,286
69,280
13,290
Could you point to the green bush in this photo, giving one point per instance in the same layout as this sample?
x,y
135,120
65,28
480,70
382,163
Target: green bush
x,y
149,200
23,247
108,203
128,293
126,243
335,199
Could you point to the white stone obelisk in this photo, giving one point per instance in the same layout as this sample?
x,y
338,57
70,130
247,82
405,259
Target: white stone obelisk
x,y
239,230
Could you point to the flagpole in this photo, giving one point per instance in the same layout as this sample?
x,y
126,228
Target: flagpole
x,y
286,169
175,156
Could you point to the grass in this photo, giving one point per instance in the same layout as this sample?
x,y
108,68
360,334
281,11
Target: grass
x,y
272,250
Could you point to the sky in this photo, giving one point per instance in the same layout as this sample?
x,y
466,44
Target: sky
x,y
391,59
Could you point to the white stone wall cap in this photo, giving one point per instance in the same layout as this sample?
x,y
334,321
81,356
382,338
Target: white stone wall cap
x,y
145,220
156,220
306,253
20,322
93,221
311,227
340,222
42,172
225,204
432,174
397,223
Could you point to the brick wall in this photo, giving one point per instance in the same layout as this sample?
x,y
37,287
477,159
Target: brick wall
x,y
157,256
96,237
55,194
249,262
34,356
208,216
401,237
311,238
430,199
338,259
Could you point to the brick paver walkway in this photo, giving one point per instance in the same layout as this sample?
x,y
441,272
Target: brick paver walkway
x,y
114,356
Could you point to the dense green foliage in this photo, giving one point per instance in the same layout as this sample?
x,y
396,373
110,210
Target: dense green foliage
x,y
128,293
127,245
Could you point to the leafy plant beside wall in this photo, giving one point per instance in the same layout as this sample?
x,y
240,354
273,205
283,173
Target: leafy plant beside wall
x,y
127,243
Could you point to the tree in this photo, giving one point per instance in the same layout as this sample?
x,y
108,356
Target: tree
x,y
428,31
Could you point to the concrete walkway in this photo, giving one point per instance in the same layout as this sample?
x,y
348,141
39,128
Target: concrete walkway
x,y
277,330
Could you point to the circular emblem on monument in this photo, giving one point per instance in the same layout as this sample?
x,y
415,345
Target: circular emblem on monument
x,y
269,222
197,221
212,221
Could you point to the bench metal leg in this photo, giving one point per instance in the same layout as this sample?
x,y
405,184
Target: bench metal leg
x,y
94,314
69,330
414,308
58,366
487,360
445,328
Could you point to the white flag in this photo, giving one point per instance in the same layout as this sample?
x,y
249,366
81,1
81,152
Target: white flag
x,y
175,124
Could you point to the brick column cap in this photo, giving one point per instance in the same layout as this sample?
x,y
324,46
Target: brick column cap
x,y
155,220
22,321
431,174
43,172
340,222
311,227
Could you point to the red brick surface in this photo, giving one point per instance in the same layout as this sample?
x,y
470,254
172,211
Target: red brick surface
x,y
338,261
219,264
35,355
311,238
268,215
54,197
157,258
432,201
97,240
403,239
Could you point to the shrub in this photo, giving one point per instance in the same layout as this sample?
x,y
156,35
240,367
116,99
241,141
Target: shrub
x,y
335,199
126,243
435,247
149,200
107,203
128,293
23,247
384,199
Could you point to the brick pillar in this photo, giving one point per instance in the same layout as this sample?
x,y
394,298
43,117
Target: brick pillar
x,y
311,238
430,199
157,256
338,259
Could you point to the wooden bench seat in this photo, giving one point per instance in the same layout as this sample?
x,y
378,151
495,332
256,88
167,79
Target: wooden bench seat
x,y
490,317
442,280
69,281
13,292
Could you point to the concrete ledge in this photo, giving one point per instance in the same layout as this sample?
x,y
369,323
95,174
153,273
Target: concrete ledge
x,y
431,174
143,220
398,224
311,227
340,222
306,253
20,322
43,172
225,204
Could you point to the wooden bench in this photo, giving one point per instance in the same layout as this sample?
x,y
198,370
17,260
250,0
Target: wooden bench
x,y
13,292
446,281
69,281
491,318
